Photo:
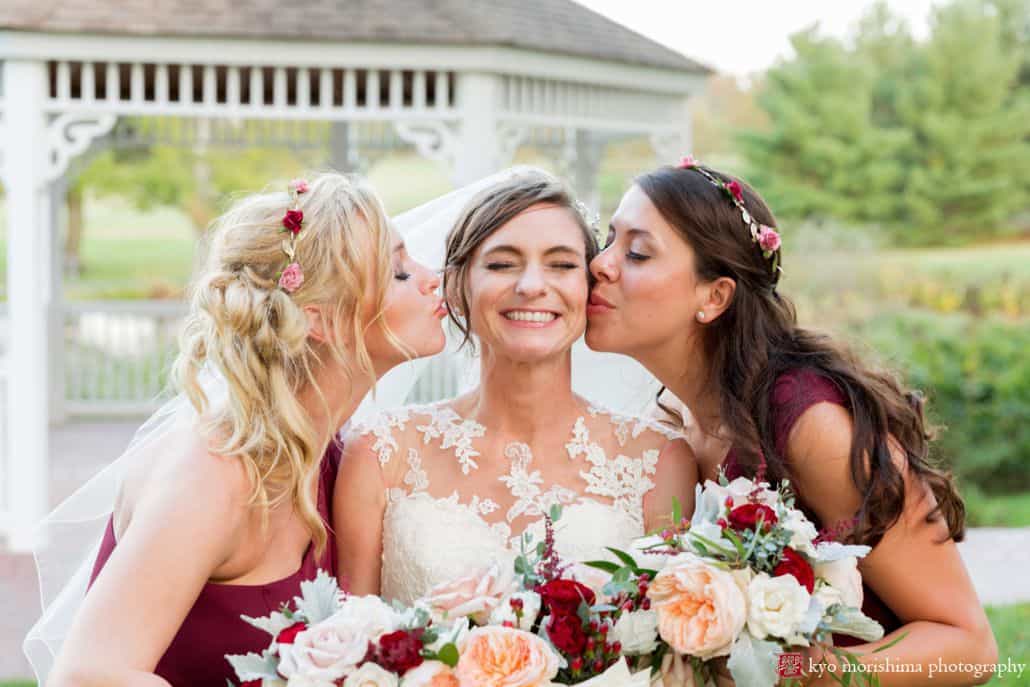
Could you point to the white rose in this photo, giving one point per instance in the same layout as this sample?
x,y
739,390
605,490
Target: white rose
x,y
843,576
371,675
531,603
649,559
637,631
428,673
741,489
777,606
375,615
324,653
827,595
302,681
802,532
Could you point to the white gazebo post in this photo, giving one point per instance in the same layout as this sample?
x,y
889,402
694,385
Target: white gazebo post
x,y
24,171
587,149
475,155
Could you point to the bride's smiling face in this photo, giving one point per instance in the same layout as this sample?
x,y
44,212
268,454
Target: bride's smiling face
x,y
528,286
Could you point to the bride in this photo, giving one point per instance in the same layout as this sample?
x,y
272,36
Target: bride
x,y
456,483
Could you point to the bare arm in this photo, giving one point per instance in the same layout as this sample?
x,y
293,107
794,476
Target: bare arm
x,y
359,503
675,477
181,531
915,569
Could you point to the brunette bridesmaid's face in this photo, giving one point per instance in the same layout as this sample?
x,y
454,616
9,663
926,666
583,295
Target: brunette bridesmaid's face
x,y
413,311
645,290
527,286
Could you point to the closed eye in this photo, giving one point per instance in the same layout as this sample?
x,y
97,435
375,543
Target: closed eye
x,y
499,265
565,265
637,257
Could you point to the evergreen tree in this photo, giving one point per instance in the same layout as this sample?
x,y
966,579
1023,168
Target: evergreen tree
x,y
970,127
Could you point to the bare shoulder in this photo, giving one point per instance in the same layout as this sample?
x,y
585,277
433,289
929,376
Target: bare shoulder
x,y
189,484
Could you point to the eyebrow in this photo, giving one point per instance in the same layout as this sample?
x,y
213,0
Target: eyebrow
x,y
399,248
632,231
550,251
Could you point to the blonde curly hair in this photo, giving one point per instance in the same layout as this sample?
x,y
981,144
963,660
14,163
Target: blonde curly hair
x,y
256,334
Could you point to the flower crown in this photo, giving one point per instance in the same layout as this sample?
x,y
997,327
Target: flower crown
x,y
292,276
766,237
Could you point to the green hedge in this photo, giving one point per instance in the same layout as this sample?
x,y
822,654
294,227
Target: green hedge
x,y
976,374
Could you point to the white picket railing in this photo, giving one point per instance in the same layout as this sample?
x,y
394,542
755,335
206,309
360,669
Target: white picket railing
x,y
117,354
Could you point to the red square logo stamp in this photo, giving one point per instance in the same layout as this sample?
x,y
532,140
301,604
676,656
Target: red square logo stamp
x,y
789,665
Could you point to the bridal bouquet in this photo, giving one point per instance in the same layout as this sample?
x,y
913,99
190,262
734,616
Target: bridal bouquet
x,y
329,639
748,577
539,622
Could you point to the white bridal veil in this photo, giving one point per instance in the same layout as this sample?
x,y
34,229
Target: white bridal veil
x,y
69,538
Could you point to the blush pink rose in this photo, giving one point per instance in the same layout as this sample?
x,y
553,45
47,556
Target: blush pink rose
x,y
291,278
475,595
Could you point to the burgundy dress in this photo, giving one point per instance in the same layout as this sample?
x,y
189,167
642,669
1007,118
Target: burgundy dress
x,y
795,392
213,628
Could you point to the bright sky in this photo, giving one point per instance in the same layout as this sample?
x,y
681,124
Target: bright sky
x,y
743,36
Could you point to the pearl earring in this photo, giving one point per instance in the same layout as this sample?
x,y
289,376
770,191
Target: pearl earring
x,y
701,315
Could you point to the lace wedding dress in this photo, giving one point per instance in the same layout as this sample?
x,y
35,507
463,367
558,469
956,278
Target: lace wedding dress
x,y
454,505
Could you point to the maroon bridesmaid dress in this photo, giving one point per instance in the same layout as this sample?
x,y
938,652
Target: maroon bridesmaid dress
x,y
213,628
793,393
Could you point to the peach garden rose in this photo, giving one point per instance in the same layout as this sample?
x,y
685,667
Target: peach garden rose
x,y
701,609
495,656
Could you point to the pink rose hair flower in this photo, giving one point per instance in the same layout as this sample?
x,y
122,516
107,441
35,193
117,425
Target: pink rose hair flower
x,y
299,186
291,278
768,239
687,162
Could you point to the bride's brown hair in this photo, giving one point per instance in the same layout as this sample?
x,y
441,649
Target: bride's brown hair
x,y
757,339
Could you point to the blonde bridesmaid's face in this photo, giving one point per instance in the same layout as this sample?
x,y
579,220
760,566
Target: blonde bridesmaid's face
x,y
413,311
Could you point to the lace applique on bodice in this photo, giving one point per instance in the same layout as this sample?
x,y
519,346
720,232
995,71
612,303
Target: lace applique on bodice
x,y
446,515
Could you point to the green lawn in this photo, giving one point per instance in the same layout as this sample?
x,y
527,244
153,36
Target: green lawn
x,y
998,510
1011,627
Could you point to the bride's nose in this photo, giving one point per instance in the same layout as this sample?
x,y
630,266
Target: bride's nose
x,y
531,283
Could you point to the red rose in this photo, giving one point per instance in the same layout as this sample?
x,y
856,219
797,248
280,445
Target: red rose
x,y
734,188
746,517
293,220
564,596
290,633
251,683
794,563
566,633
400,651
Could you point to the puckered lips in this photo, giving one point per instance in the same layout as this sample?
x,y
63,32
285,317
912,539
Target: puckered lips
x,y
599,305
531,318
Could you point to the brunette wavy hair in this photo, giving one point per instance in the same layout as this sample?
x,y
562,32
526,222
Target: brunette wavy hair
x,y
757,339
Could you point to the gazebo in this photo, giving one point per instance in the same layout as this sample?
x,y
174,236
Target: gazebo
x,y
463,83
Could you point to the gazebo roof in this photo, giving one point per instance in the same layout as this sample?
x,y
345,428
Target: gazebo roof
x,y
557,26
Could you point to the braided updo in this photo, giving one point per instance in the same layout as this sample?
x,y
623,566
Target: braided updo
x,y
255,333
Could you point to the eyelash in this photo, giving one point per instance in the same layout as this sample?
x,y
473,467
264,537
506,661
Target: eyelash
x,y
637,257
496,266
402,276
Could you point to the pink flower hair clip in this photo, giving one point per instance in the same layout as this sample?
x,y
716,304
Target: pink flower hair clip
x,y
292,276
767,238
